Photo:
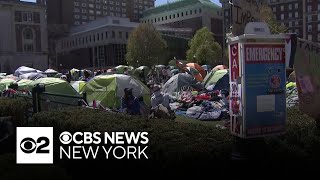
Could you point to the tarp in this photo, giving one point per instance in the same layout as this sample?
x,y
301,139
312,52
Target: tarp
x,y
197,67
214,77
195,73
32,76
78,85
50,71
107,90
54,85
24,70
219,67
4,83
176,82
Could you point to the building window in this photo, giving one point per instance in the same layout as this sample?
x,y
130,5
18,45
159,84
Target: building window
x,y
166,17
309,28
127,35
84,11
174,16
91,12
159,19
182,14
309,18
162,18
177,15
309,8
282,8
98,37
297,31
290,15
186,13
310,37
91,6
195,11
318,37
26,17
190,12
282,16
98,12
120,34
84,17
296,5
296,14
318,17
76,23
290,24
318,27
274,9
290,6
296,23
76,10
84,5
113,34
28,40
76,16
106,35
76,3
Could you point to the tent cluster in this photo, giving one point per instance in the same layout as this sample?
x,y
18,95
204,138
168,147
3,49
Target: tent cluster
x,y
195,91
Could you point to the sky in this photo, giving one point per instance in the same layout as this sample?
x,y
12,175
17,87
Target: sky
x,y
158,2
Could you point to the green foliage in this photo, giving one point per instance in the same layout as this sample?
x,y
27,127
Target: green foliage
x,y
204,48
15,108
268,17
146,47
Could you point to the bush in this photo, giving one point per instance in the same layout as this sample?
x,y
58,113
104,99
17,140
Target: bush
x,y
171,144
15,108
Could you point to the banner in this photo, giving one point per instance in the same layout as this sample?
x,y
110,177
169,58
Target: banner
x,y
244,11
307,70
265,81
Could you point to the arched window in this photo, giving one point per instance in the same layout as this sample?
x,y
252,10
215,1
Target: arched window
x,y
28,41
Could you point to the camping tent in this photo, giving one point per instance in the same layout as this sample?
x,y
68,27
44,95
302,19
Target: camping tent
x,y
197,67
217,80
195,73
120,68
24,70
24,83
78,85
5,83
176,82
107,90
55,86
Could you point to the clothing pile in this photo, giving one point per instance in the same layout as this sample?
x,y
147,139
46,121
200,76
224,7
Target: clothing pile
x,y
205,106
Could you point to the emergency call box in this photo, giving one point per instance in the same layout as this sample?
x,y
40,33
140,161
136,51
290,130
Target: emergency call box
x,y
257,70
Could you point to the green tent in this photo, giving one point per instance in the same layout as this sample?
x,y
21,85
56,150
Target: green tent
x,y
120,68
5,83
24,83
78,85
140,69
214,77
107,90
55,86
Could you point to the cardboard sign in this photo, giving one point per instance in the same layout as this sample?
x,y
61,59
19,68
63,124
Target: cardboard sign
x,y
265,82
307,69
243,12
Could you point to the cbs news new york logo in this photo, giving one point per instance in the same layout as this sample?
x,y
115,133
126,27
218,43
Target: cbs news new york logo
x,y
34,145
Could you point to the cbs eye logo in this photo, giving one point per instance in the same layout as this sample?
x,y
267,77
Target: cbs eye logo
x,y
34,145
29,145
65,137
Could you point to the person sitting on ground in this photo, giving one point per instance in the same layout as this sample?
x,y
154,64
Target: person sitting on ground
x,y
125,71
11,91
160,104
86,76
129,103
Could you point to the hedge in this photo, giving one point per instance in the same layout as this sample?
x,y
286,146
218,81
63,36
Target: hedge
x,y
15,108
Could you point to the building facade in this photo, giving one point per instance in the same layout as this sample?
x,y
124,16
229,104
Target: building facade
x,y
23,36
77,12
193,14
103,42
298,16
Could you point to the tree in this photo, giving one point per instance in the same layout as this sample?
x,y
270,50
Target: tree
x,y
146,47
203,48
268,17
